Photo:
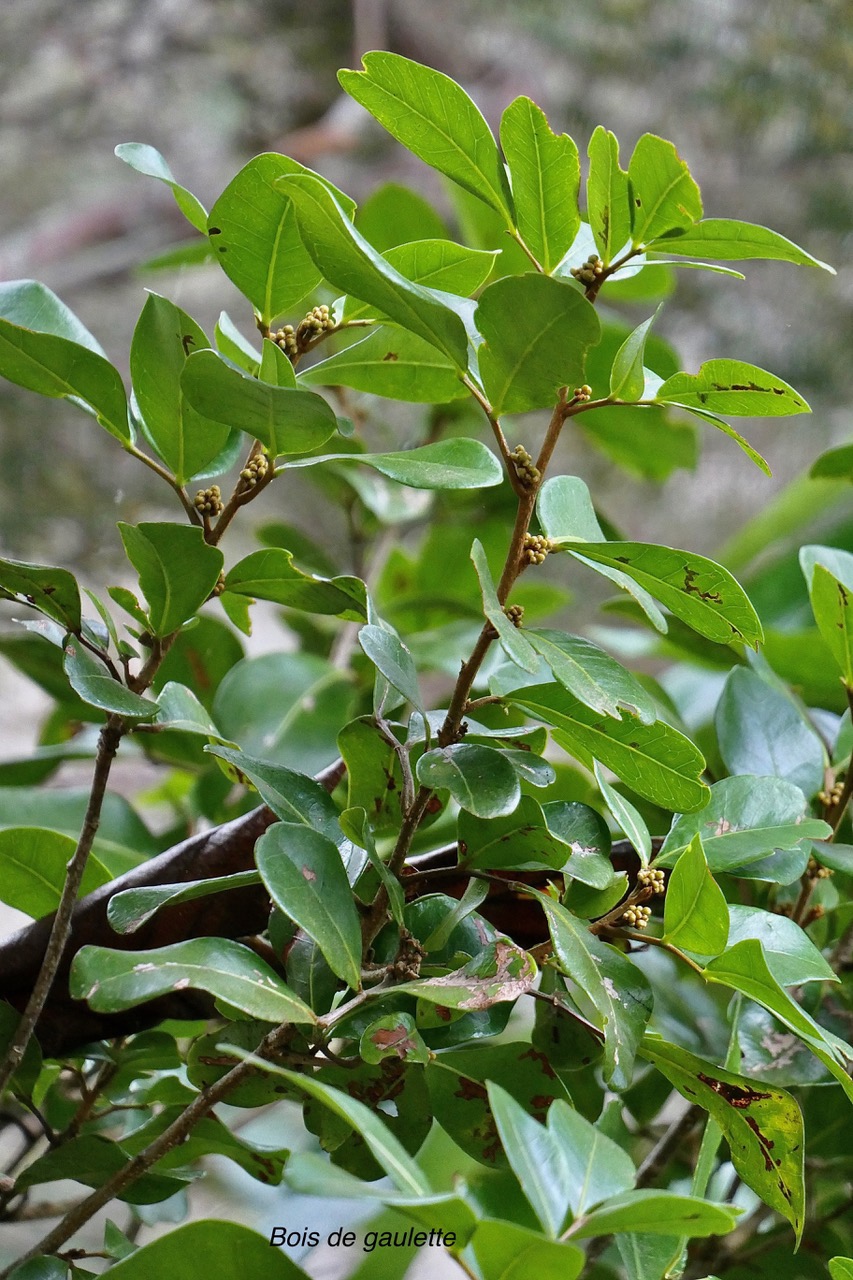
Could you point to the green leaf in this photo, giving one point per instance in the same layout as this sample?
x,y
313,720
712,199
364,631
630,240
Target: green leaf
x,y
234,346
608,196
393,1036
307,881
54,592
438,264
224,1249
501,972
513,642
735,389
791,955
130,909
628,818
760,730
270,574
177,570
628,374
565,511
33,867
392,660
384,1147
696,916
659,1213
394,215
275,367
41,1268
699,591
505,1251
745,820
480,779
45,348
744,968
545,172
655,760
351,264
535,1158
596,679
536,333
91,1159
298,726
436,120
163,339
829,576
841,1268
91,680
835,464
180,709
596,1168
147,160
112,980
392,363
664,194
616,988
520,840
731,241
286,420
253,230
458,463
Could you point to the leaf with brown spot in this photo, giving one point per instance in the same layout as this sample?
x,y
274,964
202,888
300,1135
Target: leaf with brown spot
x,y
394,1036
499,973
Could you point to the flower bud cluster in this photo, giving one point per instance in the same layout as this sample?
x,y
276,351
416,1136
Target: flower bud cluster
x,y
536,548
652,878
817,872
209,501
528,474
581,394
830,797
515,613
592,270
293,341
637,917
255,470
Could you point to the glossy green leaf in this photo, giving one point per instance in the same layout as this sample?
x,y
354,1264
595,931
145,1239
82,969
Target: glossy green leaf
x,y
298,726
535,1158
112,980
393,215
33,867
664,194
384,1147
744,968
596,679
393,660
393,363
659,1213
596,1168
745,820
180,709
374,781
732,241
480,779
545,172
130,909
41,1268
45,348
253,232
506,1251
829,575
627,817
565,511
177,570
91,680
458,463
513,641
628,374
147,160
500,973
286,420
835,464
841,1268
760,730
54,592
608,196
292,796
270,574
536,333
696,916
350,263
234,346
791,955
735,389
163,339
227,1250
275,367
438,264
393,1036
91,1159
308,882
699,591
655,760
435,119
617,990
520,840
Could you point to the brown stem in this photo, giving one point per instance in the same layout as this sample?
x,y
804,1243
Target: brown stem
x,y
110,737
166,475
